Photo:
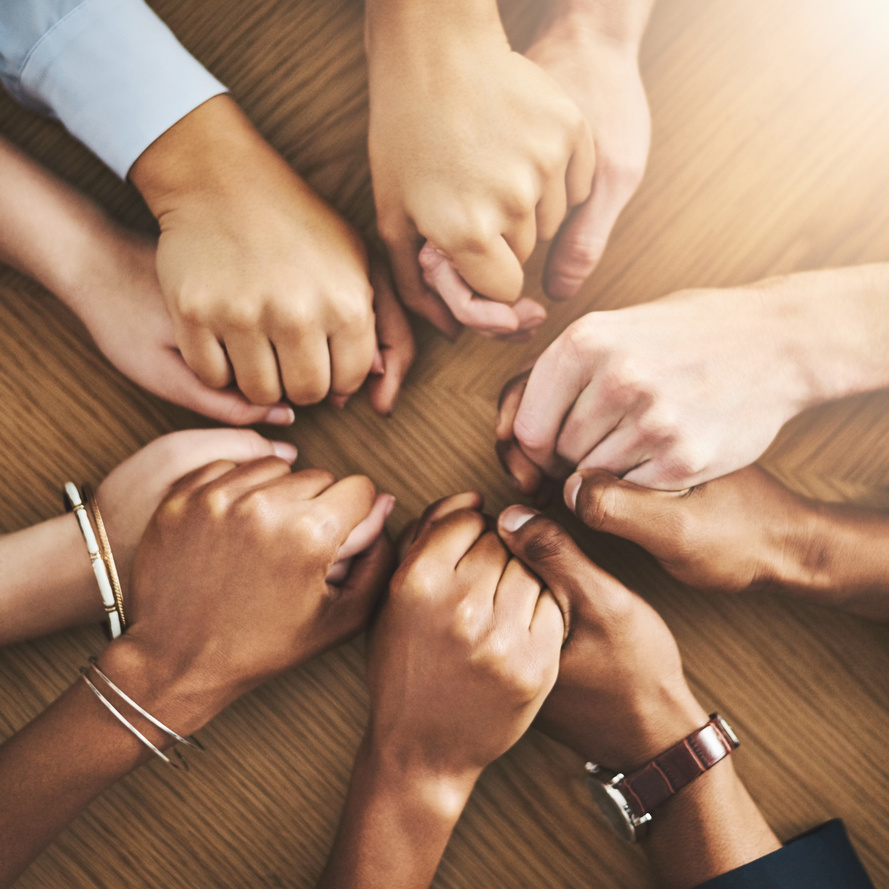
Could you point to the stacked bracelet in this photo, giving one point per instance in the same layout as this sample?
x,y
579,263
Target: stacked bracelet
x,y
101,559
105,550
190,742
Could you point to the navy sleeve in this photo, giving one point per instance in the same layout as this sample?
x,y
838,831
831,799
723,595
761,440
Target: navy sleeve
x,y
823,858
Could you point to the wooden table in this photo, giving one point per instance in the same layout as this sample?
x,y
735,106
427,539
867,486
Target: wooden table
x,y
770,145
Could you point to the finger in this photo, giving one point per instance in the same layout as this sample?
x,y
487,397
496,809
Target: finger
x,y
483,565
549,551
517,593
178,383
178,453
450,538
551,211
494,271
526,476
663,472
549,628
413,291
434,513
395,341
246,477
616,506
346,504
369,529
556,380
364,585
351,356
618,452
305,367
530,314
469,309
204,354
200,477
592,424
508,405
581,167
521,238
580,243
255,365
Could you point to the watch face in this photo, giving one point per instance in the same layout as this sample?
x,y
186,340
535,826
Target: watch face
x,y
613,806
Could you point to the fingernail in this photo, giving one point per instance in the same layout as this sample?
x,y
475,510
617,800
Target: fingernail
x,y
284,450
280,415
390,505
338,401
513,517
572,486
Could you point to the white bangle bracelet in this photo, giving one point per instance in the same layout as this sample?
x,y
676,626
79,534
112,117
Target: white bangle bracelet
x,y
75,504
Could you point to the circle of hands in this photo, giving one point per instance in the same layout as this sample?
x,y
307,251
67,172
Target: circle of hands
x,y
478,626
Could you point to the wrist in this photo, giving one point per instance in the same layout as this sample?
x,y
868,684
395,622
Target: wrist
x,y
169,691
402,31
200,155
708,828
650,727
440,794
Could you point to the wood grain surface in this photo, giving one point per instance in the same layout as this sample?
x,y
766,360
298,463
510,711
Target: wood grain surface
x,y
770,146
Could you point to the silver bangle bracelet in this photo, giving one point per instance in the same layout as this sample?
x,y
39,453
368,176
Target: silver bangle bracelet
x,y
189,742
182,764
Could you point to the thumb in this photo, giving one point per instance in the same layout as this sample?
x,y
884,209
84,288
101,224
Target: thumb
x,y
364,585
581,241
604,502
551,553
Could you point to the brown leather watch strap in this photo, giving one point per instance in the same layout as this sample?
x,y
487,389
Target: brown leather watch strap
x,y
678,766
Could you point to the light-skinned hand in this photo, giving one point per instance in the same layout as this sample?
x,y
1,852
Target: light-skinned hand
x,y
667,394
266,285
473,148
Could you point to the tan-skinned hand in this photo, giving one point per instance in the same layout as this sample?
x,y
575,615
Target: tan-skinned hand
x,y
464,651
266,285
621,697
473,148
739,532
230,582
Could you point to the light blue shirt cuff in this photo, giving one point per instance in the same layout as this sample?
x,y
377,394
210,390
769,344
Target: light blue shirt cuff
x,y
115,76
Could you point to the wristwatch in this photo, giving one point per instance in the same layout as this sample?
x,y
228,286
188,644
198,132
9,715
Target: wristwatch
x,y
627,801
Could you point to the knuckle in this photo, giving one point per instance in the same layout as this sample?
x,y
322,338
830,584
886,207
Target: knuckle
x,y
542,540
596,503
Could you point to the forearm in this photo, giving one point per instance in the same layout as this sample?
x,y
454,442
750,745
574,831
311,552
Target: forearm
x,y
846,562
619,22
48,583
709,828
48,230
394,829
55,766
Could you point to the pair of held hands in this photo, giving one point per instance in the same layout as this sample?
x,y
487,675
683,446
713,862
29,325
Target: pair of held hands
x,y
478,621
269,288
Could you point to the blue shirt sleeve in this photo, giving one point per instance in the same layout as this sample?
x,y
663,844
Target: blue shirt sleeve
x,y
823,858
109,70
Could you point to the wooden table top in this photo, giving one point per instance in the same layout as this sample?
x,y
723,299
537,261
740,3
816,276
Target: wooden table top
x,y
770,146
